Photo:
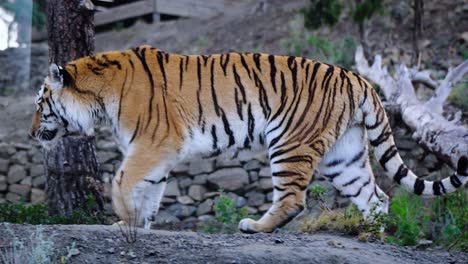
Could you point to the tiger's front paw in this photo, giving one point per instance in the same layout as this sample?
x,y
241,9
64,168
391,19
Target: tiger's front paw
x,y
251,226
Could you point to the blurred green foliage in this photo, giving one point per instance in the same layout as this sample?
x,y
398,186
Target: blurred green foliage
x,y
322,12
227,216
37,214
442,221
459,95
328,12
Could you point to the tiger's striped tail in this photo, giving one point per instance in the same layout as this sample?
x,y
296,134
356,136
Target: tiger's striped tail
x,y
381,138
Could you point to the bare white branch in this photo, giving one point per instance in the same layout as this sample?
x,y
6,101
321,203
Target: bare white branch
x,y
444,138
443,91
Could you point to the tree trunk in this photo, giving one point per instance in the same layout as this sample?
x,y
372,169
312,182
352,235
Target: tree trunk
x,y
71,167
72,176
418,8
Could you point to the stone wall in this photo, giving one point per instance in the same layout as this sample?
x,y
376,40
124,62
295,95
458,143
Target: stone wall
x,y
23,69
193,187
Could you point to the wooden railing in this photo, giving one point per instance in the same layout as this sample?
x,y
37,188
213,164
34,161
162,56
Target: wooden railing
x,y
184,8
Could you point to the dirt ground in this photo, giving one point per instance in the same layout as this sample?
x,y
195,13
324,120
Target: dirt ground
x,y
105,244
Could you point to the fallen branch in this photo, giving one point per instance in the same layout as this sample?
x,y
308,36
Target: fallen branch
x,y
447,140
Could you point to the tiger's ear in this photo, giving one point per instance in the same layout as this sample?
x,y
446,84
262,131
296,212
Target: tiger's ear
x,y
55,78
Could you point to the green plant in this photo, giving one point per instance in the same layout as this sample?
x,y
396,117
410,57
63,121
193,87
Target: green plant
x,y
37,214
349,222
321,12
227,216
405,218
459,95
365,10
448,215
318,193
296,43
341,53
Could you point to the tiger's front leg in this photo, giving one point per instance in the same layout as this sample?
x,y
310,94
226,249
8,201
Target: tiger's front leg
x,y
138,188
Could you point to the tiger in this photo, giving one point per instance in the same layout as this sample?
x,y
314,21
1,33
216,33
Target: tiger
x,y
167,108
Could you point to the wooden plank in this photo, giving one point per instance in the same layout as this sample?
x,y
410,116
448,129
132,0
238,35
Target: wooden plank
x,y
190,8
123,12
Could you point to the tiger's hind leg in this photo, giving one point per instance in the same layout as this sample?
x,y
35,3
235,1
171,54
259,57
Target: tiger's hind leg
x,y
291,174
347,166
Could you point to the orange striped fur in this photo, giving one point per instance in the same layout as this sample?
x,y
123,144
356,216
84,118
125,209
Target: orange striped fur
x,y
168,108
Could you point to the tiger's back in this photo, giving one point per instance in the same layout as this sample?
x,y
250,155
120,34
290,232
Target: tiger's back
x,y
167,108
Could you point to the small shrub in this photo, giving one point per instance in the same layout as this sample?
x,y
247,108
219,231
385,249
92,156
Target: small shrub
x,y
349,222
449,226
318,193
405,218
366,9
459,96
322,12
227,216
37,214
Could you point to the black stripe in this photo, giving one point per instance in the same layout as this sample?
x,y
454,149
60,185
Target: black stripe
x,y
271,59
244,64
436,188
388,154
250,122
386,133
163,72
279,188
294,159
256,58
283,98
200,108
238,104
286,195
401,173
227,129
121,96
299,186
135,131
283,151
333,175
215,138
150,181
181,72
292,64
291,118
359,191
455,181
334,163
213,92
378,120
163,179
239,83
225,63
419,186
285,173
351,181
150,77
263,98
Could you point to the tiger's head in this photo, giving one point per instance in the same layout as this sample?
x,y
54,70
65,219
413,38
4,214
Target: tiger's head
x,y
59,111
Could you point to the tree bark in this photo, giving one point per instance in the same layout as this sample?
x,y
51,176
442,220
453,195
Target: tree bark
x,y
72,175
418,8
71,168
